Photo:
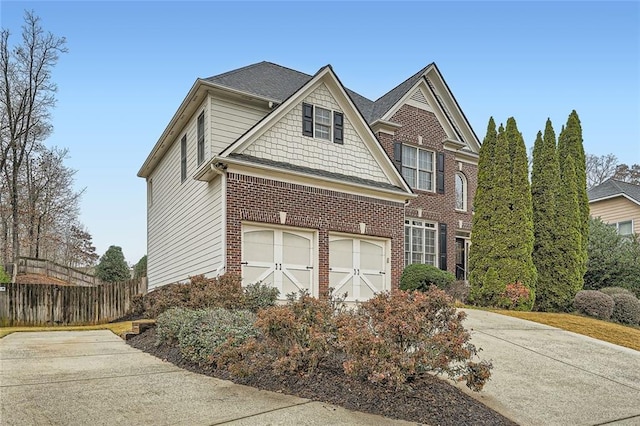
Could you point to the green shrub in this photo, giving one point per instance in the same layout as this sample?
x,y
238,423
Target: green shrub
x,y
594,304
626,309
418,276
395,337
173,321
203,334
616,290
259,296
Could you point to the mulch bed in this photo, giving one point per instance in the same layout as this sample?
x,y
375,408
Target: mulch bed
x,y
432,401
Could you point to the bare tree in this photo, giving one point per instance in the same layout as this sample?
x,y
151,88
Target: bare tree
x,y
50,197
26,98
600,168
626,173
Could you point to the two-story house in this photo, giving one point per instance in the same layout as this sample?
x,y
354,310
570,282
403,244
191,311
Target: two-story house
x,y
294,180
618,204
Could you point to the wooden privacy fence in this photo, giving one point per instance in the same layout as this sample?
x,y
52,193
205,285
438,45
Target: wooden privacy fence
x,y
40,304
30,265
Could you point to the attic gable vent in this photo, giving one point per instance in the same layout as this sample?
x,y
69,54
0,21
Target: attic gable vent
x,y
418,96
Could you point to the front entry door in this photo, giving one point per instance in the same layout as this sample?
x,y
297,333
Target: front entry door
x,y
461,259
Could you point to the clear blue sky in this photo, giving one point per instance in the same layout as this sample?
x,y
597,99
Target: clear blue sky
x,y
130,64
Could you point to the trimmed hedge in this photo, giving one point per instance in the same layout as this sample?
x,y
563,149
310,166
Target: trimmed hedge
x,y
419,276
626,309
616,290
594,304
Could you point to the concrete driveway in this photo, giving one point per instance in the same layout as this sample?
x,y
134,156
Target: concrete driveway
x,y
547,376
95,378
542,376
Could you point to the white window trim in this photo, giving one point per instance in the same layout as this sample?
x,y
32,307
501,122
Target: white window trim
x,y
417,168
465,185
426,225
617,225
316,123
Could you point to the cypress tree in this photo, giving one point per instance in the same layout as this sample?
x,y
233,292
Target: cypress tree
x,y
519,265
570,276
545,186
481,236
502,234
570,144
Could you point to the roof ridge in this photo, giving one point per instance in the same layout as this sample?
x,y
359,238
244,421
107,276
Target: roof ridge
x,y
422,71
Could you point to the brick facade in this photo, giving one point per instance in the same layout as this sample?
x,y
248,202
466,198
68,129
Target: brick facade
x,y
254,199
420,128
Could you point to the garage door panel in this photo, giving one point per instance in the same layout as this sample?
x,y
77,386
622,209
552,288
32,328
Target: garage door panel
x,y
357,266
254,274
281,258
258,245
371,256
341,253
296,250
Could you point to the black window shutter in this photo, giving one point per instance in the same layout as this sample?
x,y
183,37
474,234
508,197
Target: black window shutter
x,y
397,155
443,246
307,120
440,173
337,128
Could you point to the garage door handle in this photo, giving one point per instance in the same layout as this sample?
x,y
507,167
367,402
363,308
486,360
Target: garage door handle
x,y
244,263
311,267
382,273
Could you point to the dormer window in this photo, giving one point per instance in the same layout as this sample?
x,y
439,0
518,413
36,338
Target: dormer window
x,y
322,123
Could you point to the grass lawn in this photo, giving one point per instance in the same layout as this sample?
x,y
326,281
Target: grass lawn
x,y
117,328
602,330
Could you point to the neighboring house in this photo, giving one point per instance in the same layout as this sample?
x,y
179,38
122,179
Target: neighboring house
x,y
618,204
295,181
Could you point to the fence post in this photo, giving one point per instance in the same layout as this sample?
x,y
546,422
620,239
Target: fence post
x,y
4,305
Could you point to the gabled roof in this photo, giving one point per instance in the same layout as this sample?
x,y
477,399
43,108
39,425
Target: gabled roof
x,y
327,77
265,79
389,99
614,188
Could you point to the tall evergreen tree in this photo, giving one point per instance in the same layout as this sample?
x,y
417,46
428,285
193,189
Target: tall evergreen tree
x,y
545,187
112,266
481,242
570,144
502,235
570,277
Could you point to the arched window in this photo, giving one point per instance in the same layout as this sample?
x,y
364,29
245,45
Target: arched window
x,y
461,192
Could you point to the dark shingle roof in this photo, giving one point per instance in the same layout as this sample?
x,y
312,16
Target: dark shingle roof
x,y
273,81
264,79
612,187
389,99
315,172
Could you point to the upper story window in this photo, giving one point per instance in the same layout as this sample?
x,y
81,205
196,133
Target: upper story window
x,y
461,192
201,138
322,123
422,169
183,159
417,167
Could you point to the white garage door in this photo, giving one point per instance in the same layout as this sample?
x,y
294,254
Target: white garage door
x,y
282,258
358,266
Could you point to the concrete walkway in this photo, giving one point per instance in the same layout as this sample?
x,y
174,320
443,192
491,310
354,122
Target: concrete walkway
x,y
546,376
95,378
